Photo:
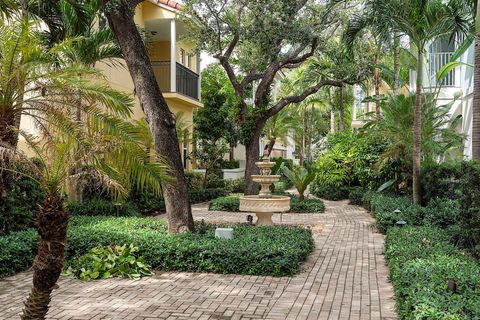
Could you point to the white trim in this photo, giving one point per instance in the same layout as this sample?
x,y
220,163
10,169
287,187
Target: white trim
x,y
173,56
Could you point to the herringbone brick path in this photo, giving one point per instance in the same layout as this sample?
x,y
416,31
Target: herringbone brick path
x,y
345,278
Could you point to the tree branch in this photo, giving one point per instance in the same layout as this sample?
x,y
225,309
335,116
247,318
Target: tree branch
x,y
292,59
299,98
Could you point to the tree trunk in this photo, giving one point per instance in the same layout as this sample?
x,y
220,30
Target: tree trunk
x,y
341,113
270,146
8,138
157,113
396,63
332,121
252,154
476,101
417,131
52,221
376,77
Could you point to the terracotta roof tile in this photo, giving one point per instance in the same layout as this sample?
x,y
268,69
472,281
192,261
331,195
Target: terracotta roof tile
x,y
171,4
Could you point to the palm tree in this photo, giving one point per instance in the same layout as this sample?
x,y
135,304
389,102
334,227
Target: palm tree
x,y
301,177
33,84
475,5
279,126
423,22
120,160
438,139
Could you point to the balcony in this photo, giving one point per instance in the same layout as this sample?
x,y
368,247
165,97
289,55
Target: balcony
x,y
187,81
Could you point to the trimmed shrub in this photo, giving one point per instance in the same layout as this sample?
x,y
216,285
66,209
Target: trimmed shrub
x,y
101,207
280,187
227,164
309,205
17,251
441,213
421,262
329,192
276,251
194,180
230,203
441,180
383,208
204,195
20,205
235,186
470,205
356,195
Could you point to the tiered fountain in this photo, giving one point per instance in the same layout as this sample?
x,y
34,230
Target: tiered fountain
x,y
264,205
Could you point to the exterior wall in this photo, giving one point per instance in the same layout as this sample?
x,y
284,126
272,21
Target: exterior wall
x,y
463,90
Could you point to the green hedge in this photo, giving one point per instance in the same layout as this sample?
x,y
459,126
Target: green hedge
x,y
439,212
232,204
17,251
329,192
102,207
421,261
275,251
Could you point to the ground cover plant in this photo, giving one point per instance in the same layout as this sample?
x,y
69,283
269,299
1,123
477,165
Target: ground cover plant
x,y
432,278
110,261
275,251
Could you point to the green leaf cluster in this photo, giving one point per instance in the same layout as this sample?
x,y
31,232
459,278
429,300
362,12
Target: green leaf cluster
x,y
110,261
422,262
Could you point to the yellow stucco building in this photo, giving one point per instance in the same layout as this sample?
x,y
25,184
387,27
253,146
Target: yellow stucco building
x,y
174,60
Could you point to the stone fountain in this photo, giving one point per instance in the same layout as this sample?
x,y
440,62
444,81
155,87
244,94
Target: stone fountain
x,y
264,205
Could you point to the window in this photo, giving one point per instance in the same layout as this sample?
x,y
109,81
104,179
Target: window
x,y
189,61
182,56
440,53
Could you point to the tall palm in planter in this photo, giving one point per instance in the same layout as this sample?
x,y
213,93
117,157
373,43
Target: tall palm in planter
x,y
422,21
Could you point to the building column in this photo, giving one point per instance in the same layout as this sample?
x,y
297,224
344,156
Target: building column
x,y
173,56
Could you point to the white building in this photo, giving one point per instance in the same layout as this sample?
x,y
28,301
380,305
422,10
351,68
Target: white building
x,y
459,83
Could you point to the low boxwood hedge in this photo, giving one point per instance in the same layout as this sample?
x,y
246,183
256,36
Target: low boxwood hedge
x,y
275,251
422,261
232,204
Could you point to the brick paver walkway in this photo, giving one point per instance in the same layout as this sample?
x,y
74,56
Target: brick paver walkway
x,y
345,278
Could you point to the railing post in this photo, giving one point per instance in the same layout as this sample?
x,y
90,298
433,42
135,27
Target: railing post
x,y
173,56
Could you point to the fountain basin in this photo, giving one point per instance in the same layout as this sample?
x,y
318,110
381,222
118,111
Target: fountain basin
x,y
266,179
264,207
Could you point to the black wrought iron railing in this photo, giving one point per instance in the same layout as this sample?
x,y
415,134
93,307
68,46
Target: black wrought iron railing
x,y
186,82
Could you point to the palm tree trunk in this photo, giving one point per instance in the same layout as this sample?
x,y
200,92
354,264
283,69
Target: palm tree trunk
x,y
52,221
476,94
376,76
396,63
417,131
159,117
8,137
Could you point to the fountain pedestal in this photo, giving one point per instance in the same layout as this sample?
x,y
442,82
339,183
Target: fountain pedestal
x,y
265,204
